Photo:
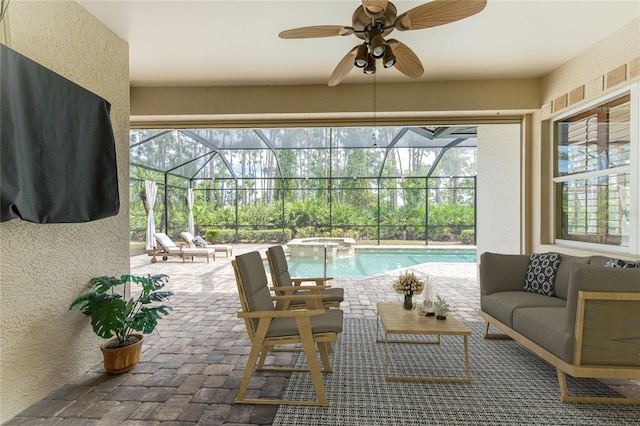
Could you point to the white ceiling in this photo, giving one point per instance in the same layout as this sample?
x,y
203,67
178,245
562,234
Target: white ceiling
x,y
188,43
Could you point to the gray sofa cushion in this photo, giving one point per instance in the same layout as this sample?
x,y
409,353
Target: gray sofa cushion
x,y
562,276
598,278
502,272
502,305
544,327
599,260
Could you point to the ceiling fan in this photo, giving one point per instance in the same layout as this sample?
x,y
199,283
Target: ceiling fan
x,y
374,20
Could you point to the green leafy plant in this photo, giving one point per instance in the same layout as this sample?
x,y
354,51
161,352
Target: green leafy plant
x,y
212,235
440,306
112,316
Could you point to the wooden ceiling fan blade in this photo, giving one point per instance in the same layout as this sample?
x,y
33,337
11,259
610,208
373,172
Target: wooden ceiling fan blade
x,y
317,31
375,8
438,12
342,69
407,62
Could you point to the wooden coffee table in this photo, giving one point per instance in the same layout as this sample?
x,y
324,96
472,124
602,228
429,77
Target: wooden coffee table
x,y
396,320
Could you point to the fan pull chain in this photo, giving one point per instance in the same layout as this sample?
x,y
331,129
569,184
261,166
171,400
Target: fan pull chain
x,y
375,106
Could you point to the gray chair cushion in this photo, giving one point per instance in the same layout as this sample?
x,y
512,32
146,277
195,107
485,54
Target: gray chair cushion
x,y
328,322
544,327
280,266
281,270
254,281
502,305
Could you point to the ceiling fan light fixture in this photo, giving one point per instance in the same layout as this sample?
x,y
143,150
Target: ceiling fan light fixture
x,y
377,46
362,56
371,67
389,58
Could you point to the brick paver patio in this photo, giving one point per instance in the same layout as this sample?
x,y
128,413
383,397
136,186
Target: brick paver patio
x,y
193,362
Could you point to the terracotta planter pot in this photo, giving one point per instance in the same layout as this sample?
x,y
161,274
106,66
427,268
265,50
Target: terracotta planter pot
x,y
121,360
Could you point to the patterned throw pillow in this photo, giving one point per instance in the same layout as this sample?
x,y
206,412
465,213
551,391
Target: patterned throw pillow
x,y
541,273
619,263
199,241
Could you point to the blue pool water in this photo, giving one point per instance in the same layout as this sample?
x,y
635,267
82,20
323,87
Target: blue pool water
x,y
368,262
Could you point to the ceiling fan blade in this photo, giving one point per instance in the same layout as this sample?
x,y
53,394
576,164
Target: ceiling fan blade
x,y
375,8
317,31
438,12
342,69
407,62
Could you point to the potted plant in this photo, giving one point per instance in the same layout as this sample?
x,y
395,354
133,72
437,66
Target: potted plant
x,y
212,235
116,319
441,308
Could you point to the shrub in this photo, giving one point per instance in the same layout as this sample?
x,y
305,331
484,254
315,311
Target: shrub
x,y
468,236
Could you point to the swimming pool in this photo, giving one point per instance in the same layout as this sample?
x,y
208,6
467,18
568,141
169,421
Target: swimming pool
x,y
368,262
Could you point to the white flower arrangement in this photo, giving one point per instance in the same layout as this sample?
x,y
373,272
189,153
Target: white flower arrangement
x,y
408,284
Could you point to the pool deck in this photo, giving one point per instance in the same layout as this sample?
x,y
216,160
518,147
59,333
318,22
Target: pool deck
x,y
192,364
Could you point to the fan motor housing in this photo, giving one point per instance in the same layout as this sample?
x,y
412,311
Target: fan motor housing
x,y
361,20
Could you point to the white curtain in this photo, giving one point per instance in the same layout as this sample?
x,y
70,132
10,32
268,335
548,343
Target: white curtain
x,y
190,199
151,189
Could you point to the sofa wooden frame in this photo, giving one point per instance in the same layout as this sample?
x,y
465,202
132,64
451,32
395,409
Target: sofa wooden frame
x,y
600,323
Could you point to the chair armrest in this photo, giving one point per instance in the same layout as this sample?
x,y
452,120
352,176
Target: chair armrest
x,y
300,297
280,314
296,288
318,280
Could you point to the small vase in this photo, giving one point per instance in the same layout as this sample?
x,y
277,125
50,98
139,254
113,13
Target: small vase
x,y
408,302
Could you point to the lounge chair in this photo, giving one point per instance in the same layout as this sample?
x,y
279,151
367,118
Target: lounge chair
x,y
268,326
188,237
169,248
283,284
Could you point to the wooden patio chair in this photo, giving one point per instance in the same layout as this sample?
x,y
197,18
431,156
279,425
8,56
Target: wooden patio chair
x,y
283,284
268,326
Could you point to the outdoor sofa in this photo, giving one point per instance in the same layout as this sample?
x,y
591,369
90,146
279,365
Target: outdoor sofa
x,y
586,324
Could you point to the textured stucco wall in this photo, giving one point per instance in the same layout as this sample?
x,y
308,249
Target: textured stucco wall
x,y
44,267
589,73
499,165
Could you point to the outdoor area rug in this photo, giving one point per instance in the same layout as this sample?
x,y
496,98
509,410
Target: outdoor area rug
x,y
509,385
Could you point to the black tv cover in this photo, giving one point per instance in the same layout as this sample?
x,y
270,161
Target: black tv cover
x,y
57,148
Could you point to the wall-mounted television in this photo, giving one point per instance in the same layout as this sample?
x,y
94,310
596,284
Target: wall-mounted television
x,y
57,147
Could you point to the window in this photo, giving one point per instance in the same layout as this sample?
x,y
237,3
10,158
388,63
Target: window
x,y
596,182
